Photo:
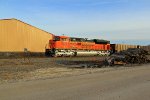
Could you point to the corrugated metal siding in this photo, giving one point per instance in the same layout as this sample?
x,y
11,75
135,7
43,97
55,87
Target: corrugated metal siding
x,y
120,47
16,35
147,48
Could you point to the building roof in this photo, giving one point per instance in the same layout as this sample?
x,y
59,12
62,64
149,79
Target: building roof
x,y
26,24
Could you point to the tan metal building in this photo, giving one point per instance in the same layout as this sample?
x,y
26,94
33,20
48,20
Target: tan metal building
x,y
16,35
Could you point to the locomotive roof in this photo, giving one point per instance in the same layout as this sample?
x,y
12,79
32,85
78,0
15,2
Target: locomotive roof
x,y
62,36
76,38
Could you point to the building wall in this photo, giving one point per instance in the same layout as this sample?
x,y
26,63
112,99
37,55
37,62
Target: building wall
x,y
16,35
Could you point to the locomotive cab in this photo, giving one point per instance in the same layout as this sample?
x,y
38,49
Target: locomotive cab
x,y
59,45
61,42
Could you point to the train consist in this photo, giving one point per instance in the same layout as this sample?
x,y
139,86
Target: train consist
x,y
71,46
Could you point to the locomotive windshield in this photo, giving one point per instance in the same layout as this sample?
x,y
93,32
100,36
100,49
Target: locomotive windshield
x,y
56,38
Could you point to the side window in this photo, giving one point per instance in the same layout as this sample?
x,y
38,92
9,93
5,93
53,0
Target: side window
x,y
64,39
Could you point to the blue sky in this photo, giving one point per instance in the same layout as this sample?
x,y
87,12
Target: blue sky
x,y
124,21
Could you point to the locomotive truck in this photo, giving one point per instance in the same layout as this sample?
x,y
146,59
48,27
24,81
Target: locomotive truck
x,y
72,46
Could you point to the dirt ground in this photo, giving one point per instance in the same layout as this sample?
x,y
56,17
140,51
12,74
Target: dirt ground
x,y
131,83
12,70
24,69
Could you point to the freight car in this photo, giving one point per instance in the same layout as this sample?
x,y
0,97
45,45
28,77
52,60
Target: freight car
x,y
71,46
147,48
121,47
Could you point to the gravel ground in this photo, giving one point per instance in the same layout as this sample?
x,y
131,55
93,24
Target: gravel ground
x,y
122,84
14,70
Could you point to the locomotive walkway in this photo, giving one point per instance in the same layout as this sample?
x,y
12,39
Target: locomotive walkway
x,y
126,84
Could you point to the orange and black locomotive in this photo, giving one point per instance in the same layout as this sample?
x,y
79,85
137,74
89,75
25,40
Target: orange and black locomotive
x,y
71,46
